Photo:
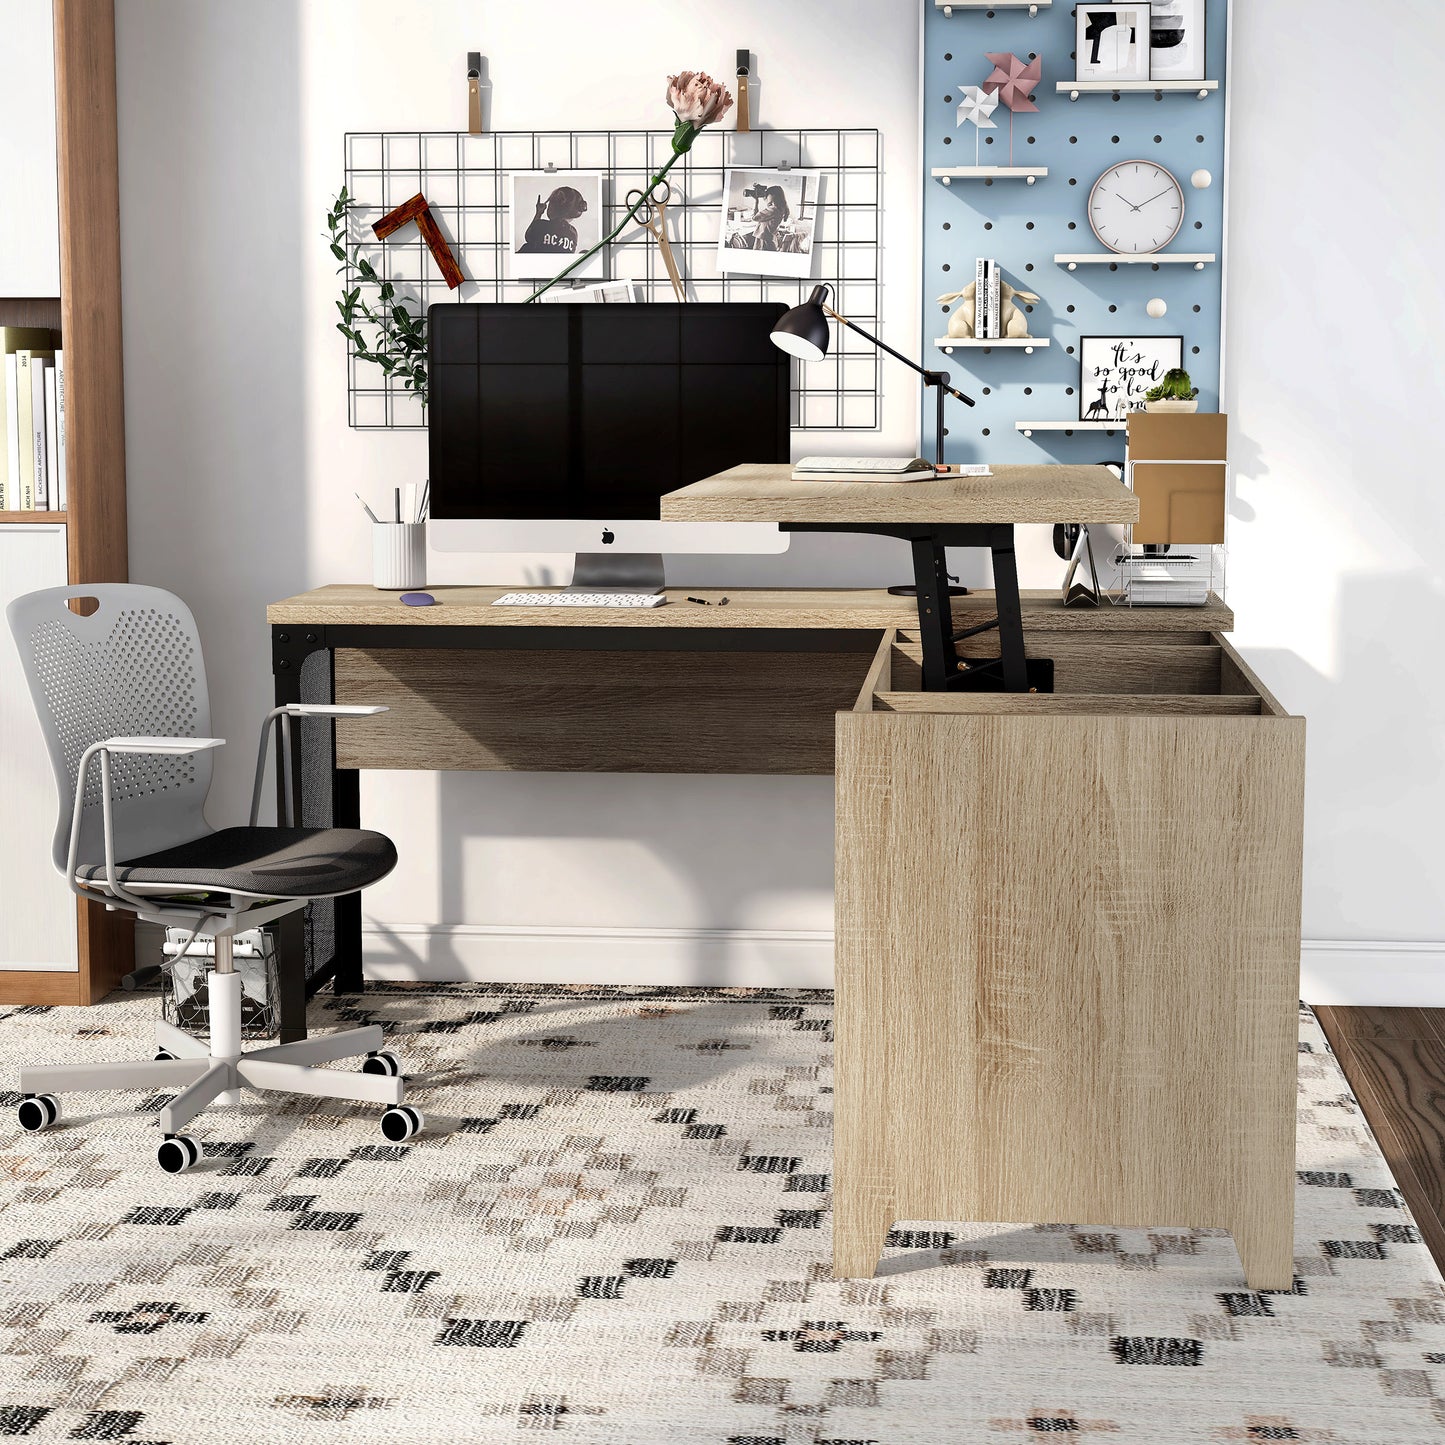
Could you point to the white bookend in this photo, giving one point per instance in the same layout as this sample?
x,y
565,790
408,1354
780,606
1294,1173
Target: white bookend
x,y
52,484
980,297
62,491
10,461
38,368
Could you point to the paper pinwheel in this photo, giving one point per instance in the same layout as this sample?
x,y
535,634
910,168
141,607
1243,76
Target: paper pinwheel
x,y
1013,82
976,106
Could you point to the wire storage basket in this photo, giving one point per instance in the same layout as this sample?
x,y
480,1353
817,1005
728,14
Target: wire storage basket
x,y
185,998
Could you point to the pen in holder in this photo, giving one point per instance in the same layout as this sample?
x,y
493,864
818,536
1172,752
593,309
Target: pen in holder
x,y
398,555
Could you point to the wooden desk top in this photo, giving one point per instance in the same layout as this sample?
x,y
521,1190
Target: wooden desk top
x,y
795,608
1013,494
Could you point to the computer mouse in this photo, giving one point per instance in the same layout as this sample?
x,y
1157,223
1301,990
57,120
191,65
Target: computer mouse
x,y
418,599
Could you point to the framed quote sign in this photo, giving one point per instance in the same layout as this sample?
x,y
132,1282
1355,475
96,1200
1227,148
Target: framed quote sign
x,y
1116,371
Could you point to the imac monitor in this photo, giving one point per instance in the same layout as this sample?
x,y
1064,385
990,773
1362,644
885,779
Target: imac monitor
x,y
558,428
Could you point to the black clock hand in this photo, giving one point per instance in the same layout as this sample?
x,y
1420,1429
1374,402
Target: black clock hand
x,y
1166,191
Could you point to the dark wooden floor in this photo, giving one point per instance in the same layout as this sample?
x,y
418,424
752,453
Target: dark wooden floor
x,y
1394,1059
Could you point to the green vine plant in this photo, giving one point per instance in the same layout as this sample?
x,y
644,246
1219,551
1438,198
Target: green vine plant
x,y
399,344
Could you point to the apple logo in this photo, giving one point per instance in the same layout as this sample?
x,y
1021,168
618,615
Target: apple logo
x,y
608,536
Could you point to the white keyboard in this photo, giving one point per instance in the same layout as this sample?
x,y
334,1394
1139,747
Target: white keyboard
x,y
580,599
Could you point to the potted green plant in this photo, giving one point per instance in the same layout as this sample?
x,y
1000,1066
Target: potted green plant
x,y
1175,393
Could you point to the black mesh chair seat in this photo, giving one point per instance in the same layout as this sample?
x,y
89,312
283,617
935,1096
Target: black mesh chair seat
x,y
271,862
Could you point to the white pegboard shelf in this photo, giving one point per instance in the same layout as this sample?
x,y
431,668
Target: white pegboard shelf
x,y
949,174
1198,259
1026,344
1032,6
1028,428
1075,88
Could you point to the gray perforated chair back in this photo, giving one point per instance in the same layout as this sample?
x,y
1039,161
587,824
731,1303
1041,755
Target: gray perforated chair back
x,y
132,668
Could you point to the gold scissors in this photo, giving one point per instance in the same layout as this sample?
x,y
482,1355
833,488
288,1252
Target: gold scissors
x,y
652,216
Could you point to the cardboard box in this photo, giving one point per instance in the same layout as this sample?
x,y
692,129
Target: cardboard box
x,y
1179,504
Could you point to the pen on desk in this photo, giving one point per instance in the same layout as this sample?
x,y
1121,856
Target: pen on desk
x,y
365,508
396,502
425,507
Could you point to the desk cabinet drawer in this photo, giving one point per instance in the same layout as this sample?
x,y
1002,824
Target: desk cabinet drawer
x,y
1068,950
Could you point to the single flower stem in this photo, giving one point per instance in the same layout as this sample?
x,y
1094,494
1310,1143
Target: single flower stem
x,y
644,199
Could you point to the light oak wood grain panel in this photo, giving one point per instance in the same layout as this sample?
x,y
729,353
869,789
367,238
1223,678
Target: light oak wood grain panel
x,y
355,604
1237,676
880,676
1046,493
1117,665
1068,704
627,712
1068,1003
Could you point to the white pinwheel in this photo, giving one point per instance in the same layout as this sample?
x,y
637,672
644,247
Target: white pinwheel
x,y
976,106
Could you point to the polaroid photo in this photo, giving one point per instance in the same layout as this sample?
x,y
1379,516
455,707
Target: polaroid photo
x,y
604,292
769,223
555,216
1176,40
1112,42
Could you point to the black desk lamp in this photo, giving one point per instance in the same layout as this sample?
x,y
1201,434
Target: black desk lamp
x,y
803,332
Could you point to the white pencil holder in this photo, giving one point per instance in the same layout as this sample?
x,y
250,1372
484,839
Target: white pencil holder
x,y
398,555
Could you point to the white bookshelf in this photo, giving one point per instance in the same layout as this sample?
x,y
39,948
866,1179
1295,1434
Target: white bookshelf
x,y
1032,6
1198,259
1026,344
1076,88
1028,174
1028,428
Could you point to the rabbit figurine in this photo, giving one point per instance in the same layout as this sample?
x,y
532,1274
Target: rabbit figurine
x,y
1015,319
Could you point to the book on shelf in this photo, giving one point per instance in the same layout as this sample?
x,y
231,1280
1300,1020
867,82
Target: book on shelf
x,y
39,365
980,299
52,479
14,339
62,489
995,302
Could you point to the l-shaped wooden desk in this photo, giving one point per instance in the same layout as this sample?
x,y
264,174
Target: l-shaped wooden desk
x,y
1067,935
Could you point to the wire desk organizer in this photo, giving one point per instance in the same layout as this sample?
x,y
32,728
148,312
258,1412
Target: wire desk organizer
x,y
465,181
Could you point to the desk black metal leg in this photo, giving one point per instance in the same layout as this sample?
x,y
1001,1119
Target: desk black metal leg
x,y
1010,611
346,813
935,612
290,930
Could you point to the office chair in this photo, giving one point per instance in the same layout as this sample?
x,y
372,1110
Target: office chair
x,y
122,700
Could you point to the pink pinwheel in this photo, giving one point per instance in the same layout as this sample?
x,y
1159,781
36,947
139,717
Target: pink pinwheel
x,y
1014,81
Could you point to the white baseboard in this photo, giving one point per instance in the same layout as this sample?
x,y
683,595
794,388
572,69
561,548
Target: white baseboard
x,y
1383,974
1386,975
702,957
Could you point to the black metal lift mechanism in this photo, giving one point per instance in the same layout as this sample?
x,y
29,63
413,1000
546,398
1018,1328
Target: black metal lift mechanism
x,y
943,669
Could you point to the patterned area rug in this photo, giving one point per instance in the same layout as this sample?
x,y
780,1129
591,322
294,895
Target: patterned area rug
x,y
616,1230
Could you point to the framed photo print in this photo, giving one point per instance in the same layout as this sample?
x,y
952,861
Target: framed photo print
x,y
1116,371
1112,42
769,223
555,216
1176,40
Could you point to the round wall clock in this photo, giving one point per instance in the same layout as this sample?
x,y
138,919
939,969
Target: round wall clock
x,y
1136,208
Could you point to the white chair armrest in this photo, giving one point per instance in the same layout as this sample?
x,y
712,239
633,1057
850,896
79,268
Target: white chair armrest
x,y
331,709
161,745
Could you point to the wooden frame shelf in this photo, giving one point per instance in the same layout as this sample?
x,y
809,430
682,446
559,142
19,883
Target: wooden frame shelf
x,y
1026,344
1075,88
87,315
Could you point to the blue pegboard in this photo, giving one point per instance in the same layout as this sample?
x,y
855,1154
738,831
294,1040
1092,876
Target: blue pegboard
x,y
1024,226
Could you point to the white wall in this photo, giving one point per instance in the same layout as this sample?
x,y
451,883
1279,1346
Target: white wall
x,y
30,237
242,467
1335,326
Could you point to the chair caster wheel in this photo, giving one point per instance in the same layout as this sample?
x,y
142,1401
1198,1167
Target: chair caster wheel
x,y
178,1153
38,1112
382,1062
401,1123
162,1054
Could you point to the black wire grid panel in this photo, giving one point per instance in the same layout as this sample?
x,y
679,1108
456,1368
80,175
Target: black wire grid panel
x,y
465,180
